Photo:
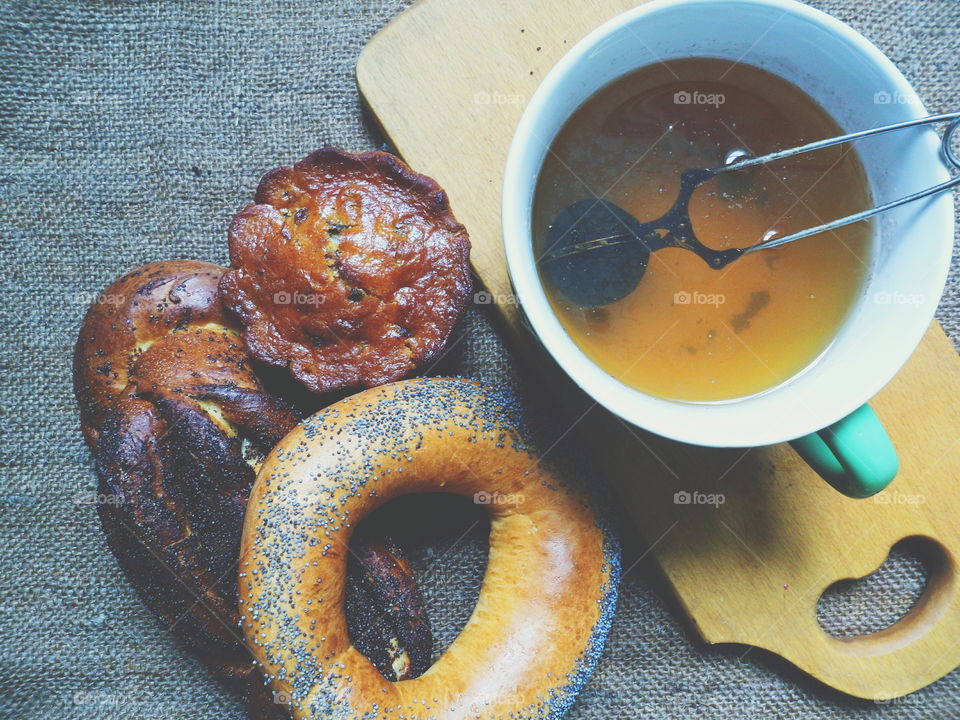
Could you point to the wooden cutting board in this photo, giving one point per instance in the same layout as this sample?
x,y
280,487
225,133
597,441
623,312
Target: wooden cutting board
x,y
447,80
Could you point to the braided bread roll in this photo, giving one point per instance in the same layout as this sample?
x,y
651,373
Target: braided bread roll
x,y
179,423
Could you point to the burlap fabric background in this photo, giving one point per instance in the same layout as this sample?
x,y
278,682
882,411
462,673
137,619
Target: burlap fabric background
x,y
132,132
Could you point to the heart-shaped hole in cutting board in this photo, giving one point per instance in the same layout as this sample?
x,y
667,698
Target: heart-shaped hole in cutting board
x,y
852,608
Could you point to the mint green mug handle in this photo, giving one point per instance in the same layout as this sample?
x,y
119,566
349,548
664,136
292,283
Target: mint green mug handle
x,y
854,454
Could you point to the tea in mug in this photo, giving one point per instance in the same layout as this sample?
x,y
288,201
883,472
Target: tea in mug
x,y
689,332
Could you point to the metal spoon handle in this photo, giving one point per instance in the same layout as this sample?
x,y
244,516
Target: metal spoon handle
x,y
949,156
750,161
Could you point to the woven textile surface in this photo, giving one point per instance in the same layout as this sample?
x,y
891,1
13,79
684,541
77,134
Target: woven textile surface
x,y
132,132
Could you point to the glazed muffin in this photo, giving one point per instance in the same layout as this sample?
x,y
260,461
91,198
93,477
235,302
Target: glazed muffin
x,y
350,270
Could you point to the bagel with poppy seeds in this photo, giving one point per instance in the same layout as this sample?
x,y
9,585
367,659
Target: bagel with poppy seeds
x,y
551,581
179,421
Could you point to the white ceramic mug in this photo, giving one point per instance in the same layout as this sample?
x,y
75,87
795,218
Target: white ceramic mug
x,y
822,410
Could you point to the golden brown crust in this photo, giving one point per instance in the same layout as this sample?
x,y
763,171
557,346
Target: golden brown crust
x,y
550,584
142,306
176,456
179,421
348,269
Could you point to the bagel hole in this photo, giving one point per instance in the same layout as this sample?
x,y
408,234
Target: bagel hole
x,y
445,540
850,608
